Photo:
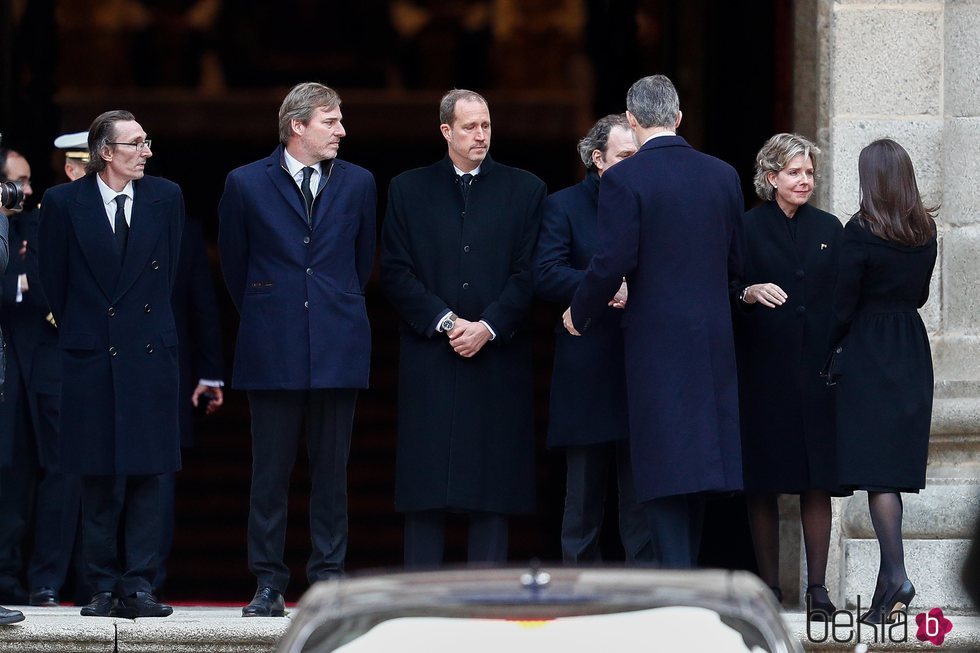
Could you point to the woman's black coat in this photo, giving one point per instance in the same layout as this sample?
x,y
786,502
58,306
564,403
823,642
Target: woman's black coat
x,y
786,408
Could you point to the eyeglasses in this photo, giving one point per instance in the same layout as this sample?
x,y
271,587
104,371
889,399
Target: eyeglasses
x,y
140,146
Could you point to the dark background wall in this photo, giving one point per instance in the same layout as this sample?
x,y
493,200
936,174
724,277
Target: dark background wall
x,y
205,78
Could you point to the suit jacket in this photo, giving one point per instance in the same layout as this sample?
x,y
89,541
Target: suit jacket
x,y
588,383
298,287
669,219
115,325
198,323
465,436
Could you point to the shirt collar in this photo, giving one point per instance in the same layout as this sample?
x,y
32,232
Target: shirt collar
x,y
109,195
295,167
658,135
475,171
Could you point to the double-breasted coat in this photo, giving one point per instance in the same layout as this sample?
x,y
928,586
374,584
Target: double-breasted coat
x,y
465,432
786,409
299,286
115,326
670,220
884,371
588,382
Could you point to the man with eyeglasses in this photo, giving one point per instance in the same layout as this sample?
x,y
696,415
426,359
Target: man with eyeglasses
x,y
108,247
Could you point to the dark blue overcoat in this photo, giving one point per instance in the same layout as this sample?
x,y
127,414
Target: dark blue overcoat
x,y
115,326
669,219
299,287
588,382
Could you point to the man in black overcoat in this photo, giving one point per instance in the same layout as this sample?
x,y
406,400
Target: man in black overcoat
x,y
588,414
670,221
456,256
108,247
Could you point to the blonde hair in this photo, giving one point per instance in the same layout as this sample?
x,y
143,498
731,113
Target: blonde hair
x,y
773,157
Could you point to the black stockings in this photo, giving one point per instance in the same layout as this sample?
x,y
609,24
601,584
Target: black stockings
x,y
815,514
886,516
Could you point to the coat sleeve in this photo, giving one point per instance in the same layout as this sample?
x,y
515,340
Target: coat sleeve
x,y
35,295
415,304
847,293
506,313
554,277
52,249
619,241
924,295
367,232
737,251
233,240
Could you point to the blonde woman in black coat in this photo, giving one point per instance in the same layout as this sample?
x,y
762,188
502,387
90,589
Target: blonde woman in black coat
x,y
880,356
782,325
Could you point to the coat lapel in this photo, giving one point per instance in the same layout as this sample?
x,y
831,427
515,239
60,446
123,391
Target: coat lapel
x,y
95,237
144,231
284,184
331,184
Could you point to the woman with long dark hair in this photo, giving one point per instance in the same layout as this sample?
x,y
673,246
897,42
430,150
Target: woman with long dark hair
x,y
880,358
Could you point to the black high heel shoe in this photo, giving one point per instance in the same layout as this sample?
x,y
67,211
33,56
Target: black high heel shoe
x,y
818,605
896,601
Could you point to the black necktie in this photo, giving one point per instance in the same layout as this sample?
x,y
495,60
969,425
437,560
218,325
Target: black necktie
x,y
464,184
120,225
307,192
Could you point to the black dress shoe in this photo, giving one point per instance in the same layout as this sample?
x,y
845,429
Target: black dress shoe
x,y
894,601
10,616
44,597
267,602
100,605
140,604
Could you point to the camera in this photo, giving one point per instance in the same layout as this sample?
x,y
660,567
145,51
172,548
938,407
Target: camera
x,y
11,195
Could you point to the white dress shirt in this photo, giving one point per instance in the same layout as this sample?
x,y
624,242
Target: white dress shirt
x,y
109,200
295,169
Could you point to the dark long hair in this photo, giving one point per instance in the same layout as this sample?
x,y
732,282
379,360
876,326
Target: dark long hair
x,y
891,206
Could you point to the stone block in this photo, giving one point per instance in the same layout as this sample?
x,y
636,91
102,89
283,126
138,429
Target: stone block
x,y
887,61
933,565
946,509
961,280
956,357
962,66
932,311
961,167
921,137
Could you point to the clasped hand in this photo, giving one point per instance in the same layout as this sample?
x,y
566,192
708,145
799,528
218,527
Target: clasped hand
x,y
467,338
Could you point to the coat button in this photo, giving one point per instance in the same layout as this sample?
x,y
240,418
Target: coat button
x,y
839,350
466,248
155,264
309,272
466,286
306,304
800,310
149,349
306,240
800,274
146,308
113,351
112,311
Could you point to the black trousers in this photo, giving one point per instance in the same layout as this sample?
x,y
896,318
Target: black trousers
x,y
677,523
279,420
585,501
35,484
127,505
425,538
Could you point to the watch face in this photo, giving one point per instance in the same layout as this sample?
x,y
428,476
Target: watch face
x,y
448,324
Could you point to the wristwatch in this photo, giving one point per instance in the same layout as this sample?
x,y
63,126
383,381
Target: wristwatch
x,y
741,296
448,322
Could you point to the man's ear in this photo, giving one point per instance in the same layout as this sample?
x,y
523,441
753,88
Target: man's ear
x,y
631,119
597,160
446,130
680,116
297,127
